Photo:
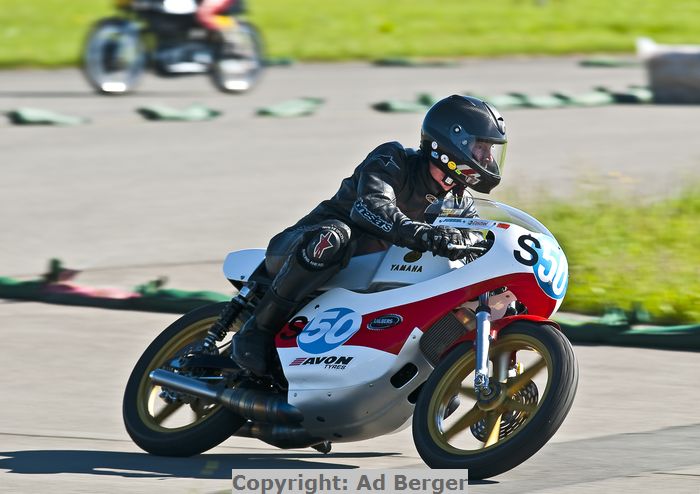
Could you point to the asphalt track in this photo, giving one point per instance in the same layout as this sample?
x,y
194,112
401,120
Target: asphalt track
x,y
128,200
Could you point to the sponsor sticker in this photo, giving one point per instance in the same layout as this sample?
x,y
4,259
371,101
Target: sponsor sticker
x,y
338,362
385,322
412,256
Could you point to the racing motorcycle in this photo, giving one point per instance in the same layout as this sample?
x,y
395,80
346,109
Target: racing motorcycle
x,y
461,350
165,36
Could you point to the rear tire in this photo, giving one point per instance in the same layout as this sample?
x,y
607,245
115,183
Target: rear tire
x,y
114,57
519,427
146,416
240,71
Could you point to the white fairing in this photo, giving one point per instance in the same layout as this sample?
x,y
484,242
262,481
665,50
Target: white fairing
x,y
345,391
240,265
354,400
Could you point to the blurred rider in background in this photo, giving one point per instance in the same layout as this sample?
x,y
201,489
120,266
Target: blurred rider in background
x,y
209,11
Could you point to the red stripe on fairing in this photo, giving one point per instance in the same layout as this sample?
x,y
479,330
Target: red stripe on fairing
x,y
424,313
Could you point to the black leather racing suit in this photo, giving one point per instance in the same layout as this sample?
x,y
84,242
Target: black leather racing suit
x,y
380,203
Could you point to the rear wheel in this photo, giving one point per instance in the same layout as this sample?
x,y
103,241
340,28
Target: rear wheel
x,y
239,62
491,438
176,424
113,57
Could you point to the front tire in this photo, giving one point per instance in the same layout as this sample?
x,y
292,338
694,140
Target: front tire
x,y
114,57
178,428
489,440
238,66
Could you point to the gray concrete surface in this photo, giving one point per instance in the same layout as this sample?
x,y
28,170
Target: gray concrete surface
x,y
634,425
127,200
123,191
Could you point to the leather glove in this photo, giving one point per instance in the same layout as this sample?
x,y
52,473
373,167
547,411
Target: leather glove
x,y
446,242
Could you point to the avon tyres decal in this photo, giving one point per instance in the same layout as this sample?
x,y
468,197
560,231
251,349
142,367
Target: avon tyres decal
x,y
329,362
548,262
330,329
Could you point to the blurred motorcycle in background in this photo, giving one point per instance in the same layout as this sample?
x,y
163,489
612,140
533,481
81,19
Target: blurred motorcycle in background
x,y
165,36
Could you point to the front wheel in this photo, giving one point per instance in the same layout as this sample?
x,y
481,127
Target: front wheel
x,y
114,57
176,424
239,60
539,376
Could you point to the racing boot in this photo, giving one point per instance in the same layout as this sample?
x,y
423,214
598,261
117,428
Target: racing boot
x,y
319,257
252,345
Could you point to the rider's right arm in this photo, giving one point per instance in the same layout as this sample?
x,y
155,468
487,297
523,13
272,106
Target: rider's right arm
x,y
375,211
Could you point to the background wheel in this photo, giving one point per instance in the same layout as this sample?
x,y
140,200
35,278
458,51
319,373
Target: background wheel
x,y
239,65
180,428
113,57
534,401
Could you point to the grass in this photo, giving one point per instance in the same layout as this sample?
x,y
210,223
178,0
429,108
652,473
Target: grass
x,y
620,256
50,32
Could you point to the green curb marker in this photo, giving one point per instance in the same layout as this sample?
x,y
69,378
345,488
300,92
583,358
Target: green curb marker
x,y
193,113
505,101
292,108
398,106
422,103
593,98
667,337
541,101
37,116
611,329
615,327
635,94
412,62
278,62
609,62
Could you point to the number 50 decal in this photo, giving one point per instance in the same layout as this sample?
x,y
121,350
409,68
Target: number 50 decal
x,y
329,330
548,263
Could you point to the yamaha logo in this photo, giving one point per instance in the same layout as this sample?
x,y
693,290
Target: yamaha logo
x,y
385,322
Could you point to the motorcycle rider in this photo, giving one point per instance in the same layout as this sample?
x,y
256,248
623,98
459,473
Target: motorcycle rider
x,y
215,16
463,142
209,10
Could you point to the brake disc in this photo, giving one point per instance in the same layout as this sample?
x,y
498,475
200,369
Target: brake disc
x,y
512,419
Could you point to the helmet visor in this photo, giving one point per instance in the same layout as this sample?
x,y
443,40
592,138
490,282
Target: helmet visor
x,y
487,153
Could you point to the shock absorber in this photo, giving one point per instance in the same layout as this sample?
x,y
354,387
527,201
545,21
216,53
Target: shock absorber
x,y
221,327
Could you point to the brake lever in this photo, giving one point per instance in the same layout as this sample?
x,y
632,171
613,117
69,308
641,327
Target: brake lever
x,y
467,248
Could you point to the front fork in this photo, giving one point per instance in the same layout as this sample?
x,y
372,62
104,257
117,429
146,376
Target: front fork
x,y
483,340
483,385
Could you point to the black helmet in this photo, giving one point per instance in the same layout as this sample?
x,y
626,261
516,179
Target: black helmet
x,y
466,138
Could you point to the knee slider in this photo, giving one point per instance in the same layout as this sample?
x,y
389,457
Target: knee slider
x,y
326,245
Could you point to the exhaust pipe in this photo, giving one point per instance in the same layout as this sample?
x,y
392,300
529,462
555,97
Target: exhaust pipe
x,y
249,403
281,436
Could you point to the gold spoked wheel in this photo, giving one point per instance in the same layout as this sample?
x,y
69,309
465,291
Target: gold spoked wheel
x,y
534,374
168,423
